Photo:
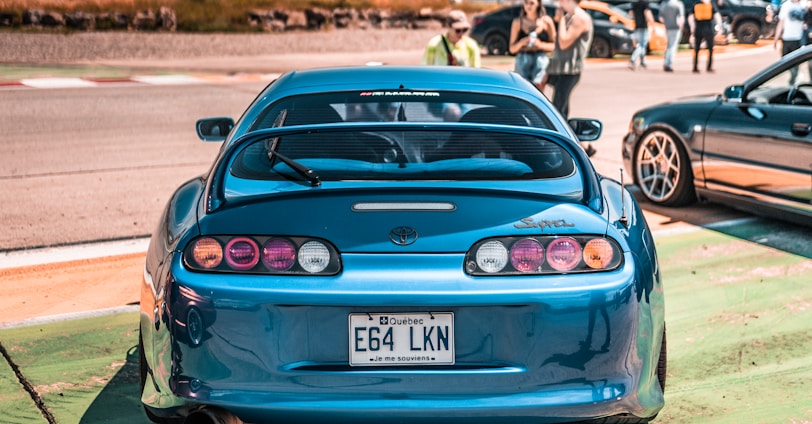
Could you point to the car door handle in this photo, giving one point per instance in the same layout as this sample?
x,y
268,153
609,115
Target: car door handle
x,y
801,129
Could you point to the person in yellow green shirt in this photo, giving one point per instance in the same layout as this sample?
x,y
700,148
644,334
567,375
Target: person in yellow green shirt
x,y
453,48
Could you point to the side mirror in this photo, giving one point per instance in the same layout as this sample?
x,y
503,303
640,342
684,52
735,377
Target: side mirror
x,y
214,129
734,93
586,129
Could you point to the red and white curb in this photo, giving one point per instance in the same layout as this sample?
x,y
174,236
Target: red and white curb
x,y
178,79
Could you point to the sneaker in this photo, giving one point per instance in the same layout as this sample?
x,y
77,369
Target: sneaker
x,y
696,71
668,69
643,65
590,150
631,66
711,70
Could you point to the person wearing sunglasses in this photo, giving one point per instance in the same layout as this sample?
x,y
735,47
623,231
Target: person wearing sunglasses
x,y
453,48
532,37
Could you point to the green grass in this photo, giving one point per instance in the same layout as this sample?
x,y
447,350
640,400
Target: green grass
x,y
739,318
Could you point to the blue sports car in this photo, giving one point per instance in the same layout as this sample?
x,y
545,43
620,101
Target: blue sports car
x,y
401,244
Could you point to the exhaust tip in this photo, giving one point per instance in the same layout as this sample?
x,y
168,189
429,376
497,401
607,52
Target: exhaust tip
x,y
212,416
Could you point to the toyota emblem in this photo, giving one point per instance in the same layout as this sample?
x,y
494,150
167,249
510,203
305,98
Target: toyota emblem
x,y
403,236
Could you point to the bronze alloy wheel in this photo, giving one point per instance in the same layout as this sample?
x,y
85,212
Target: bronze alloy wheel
x,y
662,169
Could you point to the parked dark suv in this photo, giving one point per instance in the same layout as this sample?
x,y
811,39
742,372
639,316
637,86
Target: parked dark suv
x,y
747,18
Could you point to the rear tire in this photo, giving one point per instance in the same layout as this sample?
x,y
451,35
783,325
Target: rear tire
x,y
600,48
748,32
662,364
496,45
144,375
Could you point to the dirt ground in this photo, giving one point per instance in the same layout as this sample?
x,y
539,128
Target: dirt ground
x,y
70,287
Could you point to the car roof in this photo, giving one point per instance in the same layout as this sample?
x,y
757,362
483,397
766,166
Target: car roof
x,y
398,78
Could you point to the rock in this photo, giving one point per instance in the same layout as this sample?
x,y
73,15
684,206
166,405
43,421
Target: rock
x,y
316,18
80,20
145,20
167,20
297,20
112,20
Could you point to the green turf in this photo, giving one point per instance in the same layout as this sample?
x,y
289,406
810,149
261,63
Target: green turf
x,y
16,405
85,370
739,317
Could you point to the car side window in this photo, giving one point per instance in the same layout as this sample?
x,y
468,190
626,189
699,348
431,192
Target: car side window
x,y
791,87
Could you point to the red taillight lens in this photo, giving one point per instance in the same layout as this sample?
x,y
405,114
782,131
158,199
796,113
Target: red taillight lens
x,y
278,254
527,255
207,253
598,253
564,254
242,253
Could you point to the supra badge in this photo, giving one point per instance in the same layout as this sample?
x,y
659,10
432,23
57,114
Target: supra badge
x,y
403,236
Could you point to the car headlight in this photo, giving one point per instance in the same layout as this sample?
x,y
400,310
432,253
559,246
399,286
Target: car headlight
x,y
619,33
638,123
262,255
542,255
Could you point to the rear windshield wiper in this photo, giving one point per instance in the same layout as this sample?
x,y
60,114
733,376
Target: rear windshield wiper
x,y
300,169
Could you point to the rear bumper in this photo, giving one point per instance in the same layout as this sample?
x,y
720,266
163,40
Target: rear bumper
x,y
562,348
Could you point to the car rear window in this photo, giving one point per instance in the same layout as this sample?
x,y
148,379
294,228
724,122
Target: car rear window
x,y
401,106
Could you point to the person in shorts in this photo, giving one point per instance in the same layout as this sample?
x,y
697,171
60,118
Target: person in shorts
x,y
532,37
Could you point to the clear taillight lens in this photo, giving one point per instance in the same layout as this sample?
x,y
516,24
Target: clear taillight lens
x,y
492,256
314,256
527,255
207,253
278,254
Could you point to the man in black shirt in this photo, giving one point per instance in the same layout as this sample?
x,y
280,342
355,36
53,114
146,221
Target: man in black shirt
x,y
642,16
703,19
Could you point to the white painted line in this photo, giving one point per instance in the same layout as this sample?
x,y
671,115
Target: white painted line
x,y
57,83
49,255
167,79
71,316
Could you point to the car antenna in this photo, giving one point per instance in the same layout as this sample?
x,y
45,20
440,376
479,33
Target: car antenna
x,y
623,218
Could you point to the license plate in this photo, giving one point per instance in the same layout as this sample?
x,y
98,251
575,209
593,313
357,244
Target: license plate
x,y
402,339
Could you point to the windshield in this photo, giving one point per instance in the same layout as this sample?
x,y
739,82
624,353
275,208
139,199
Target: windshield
x,y
404,155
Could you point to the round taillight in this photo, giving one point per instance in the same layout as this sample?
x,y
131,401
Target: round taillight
x,y
242,253
492,256
207,253
527,255
314,256
563,254
598,253
278,254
